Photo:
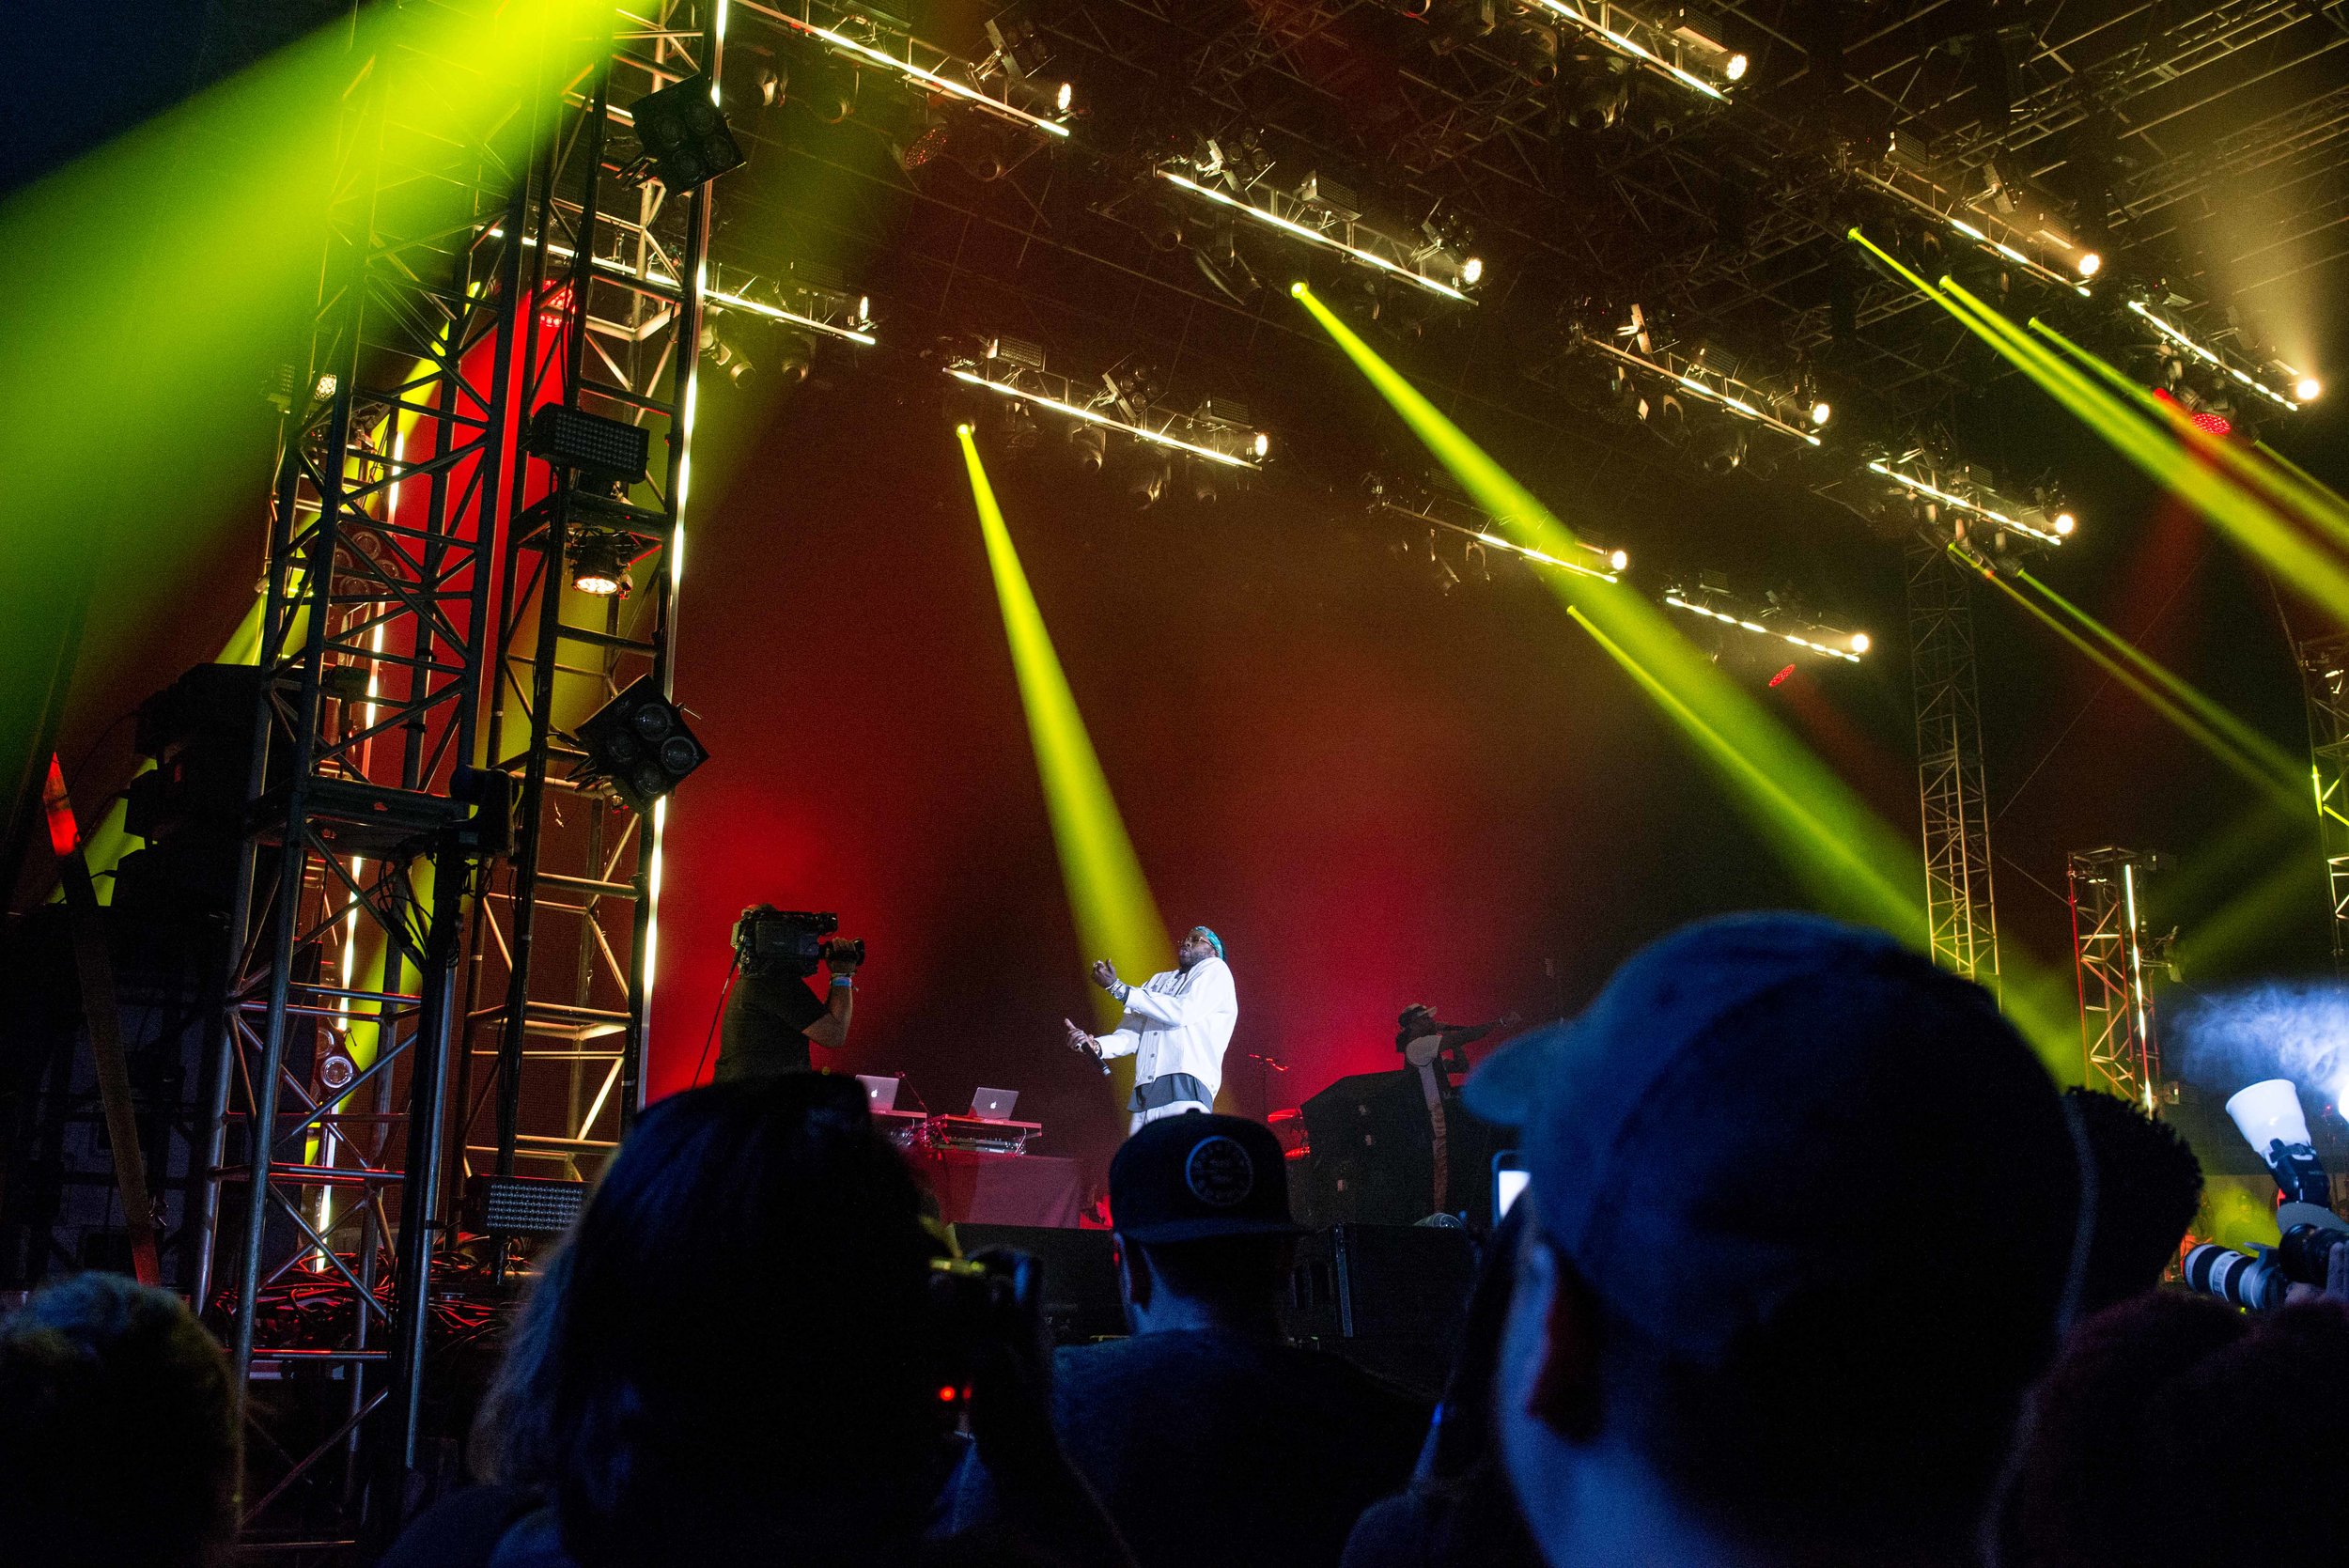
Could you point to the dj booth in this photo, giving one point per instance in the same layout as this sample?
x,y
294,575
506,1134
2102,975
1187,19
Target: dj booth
x,y
978,1164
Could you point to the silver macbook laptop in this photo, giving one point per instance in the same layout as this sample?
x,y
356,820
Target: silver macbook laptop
x,y
993,1104
881,1094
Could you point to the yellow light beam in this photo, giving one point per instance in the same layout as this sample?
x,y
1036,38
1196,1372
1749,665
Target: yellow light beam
x,y
1115,915
1849,860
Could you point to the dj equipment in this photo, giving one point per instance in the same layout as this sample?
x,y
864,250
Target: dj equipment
x,y
985,1137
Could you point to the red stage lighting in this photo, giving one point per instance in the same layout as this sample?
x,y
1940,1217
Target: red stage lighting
x,y
1781,676
2210,424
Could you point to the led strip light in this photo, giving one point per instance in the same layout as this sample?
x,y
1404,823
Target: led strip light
x,y
947,85
1633,48
1306,231
1919,487
1094,416
1846,655
2204,354
1616,561
2049,273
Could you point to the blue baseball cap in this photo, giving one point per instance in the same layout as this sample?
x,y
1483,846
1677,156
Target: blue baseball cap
x,y
1771,1108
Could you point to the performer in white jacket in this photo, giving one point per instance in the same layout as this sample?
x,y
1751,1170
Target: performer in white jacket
x,y
1176,1027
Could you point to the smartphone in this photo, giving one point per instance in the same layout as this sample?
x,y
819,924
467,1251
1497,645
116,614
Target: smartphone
x,y
1508,1181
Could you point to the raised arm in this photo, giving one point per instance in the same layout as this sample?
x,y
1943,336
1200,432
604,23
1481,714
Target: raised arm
x,y
1209,994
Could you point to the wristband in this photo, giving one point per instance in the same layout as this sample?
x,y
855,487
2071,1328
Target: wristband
x,y
843,979
1120,990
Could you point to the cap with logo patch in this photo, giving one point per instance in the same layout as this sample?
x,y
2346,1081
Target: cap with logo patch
x,y
1196,1176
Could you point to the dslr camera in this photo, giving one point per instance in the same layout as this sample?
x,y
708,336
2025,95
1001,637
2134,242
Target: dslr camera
x,y
768,940
2269,1117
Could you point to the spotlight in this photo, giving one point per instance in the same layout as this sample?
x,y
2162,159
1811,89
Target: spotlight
x,y
1146,474
1472,271
1620,561
2307,389
925,142
1735,66
724,355
1262,445
1013,428
1821,412
1091,444
1202,480
795,357
1595,93
682,133
1719,444
599,561
639,745
1862,641
2065,522
963,428
2090,264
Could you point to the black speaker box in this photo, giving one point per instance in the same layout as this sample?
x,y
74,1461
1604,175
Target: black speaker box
x,y
1082,1301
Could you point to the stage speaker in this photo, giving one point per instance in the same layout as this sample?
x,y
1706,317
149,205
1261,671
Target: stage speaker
x,y
1373,1153
1389,1298
1082,1301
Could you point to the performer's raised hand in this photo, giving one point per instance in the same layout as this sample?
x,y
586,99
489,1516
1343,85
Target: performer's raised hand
x,y
1104,974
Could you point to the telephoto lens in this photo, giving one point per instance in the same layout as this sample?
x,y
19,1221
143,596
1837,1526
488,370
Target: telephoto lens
x,y
2240,1277
2306,1252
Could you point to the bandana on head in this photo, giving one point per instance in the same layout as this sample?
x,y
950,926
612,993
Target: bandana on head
x,y
1213,940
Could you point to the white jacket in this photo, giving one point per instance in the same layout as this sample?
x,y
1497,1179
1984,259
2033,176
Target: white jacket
x,y
1178,1022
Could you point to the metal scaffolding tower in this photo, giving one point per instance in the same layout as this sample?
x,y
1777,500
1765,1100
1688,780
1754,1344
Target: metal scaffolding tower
x,y
1952,797
562,957
2112,953
412,546
2324,679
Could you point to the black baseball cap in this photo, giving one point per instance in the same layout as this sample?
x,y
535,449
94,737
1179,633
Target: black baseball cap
x,y
1197,1176
1768,1108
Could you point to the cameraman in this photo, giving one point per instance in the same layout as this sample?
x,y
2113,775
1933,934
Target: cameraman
x,y
774,1013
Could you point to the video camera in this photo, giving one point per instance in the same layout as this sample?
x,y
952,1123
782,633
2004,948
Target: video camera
x,y
768,940
2269,1117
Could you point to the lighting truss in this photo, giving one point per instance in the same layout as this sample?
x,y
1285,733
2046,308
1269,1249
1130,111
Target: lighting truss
x,y
1687,372
1664,52
2030,521
866,44
1303,213
2212,357
802,303
1202,436
2114,956
834,312
1459,517
1927,198
1716,605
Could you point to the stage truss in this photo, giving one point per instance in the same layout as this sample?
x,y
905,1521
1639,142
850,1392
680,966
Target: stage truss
x,y
411,547
1953,798
2325,681
2113,955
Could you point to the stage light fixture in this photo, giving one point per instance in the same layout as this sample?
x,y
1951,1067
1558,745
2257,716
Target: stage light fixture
x,y
1821,412
599,449
600,559
2090,264
931,77
2307,389
1261,444
2211,359
1459,516
1062,395
1620,560
1813,639
1472,271
1735,66
682,131
1630,47
1091,443
1860,642
2064,522
1357,238
639,745
1910,482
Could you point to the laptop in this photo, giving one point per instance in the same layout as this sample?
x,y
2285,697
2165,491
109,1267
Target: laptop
x,y
881,1094
993,1104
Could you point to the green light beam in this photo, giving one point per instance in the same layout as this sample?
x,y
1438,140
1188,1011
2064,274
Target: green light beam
x,y
2271,759
2243,516
2282,482
2203,735
1849,861
1115,915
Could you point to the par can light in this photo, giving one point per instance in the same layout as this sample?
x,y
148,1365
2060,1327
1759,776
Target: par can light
x,y
2307,389
2090,264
